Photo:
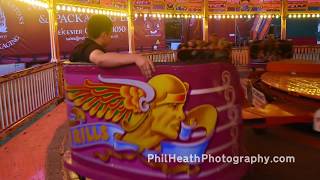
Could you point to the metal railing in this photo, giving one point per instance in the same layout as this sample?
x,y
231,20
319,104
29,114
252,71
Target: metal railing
x,y
24,93
309,53
161,56
240,56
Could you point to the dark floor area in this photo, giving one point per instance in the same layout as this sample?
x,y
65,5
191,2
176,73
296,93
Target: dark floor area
x,y
294,140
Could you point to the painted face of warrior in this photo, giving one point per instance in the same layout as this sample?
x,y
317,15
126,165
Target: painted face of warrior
x,y
164,119
167,119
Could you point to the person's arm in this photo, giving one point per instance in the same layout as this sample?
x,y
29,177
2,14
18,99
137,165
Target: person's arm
x,y
115,59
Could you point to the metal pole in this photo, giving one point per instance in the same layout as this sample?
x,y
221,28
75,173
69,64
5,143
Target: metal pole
x,y
130,18
53,27
205,21
235,32
284,12
54,42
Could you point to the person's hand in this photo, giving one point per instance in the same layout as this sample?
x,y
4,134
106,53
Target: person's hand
x,y
145,65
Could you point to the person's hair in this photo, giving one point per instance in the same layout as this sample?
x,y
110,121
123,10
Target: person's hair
x,y
98,24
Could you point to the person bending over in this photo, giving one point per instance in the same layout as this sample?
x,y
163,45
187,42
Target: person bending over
x,y
99,29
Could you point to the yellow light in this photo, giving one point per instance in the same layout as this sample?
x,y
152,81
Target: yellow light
x,y
219,16
135,15
68,8
192,16
158,15
241,16
308,15
223,16
185,16
313,15
210,17
290,16
170,15
154,15
105,12
145,15
299,15
178,16
318,15
63,8
108,13
232,16
277,16
228,16
78,9
269,16
265,16
303,16
74,9
58,8
249,16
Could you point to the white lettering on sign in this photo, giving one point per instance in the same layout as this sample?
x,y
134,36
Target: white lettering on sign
x,y
10,43
73,18
17,11
66,18
62,31
43,19
77,38
3,36
119,29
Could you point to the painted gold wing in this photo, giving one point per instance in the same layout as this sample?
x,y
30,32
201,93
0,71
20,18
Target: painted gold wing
x,y
110,101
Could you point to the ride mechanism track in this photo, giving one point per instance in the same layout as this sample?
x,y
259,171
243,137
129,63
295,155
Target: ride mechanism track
x,y
291,89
